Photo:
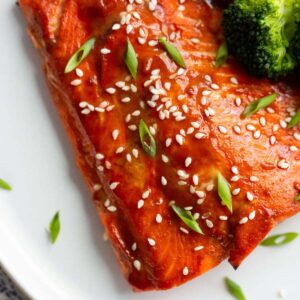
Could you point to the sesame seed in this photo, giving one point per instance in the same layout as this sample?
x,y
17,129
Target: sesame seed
x,y
111,91
185,271
210,187
222,129
79,72
200,201
168,142
235,178
140,203
236,191
114,185
76,82
199,135
158,218
293,148
237,129
198,248
252,215
243,220
283,164
116,27
179,139
209,223
184,230
135,153
188,161
164,181
256,134
195,179
128,157
137,264
250,127
249,196
134,247
115,134
112,208
146,194
234,80
223,218
105,51
234,170
151,242
120,150
254,179
238,102
272,140
97,187
99,156
164,158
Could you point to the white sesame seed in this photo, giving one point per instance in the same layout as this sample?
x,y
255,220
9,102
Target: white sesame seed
x,y
134,247
115,134
158,218
99,156
199,135
76,82
112,208
254,179
223,218
209,223
146,194
234,80
210,187
120,150
151,242
235,178
128,157
198,248
140,203
79,72
237,129
256,134
97,187
114,185
164,181
234,170
195,179
164,158
185,271
238,101
272,140
250,127
111,91
283,164
249,196
116,27
137,264
105,51
168,142
179,139
293,148
184,230
252,215
200,201
188,161
243,220
296,135
222,129
200,194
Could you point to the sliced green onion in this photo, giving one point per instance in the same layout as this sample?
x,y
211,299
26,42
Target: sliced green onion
x,y
173,52
224,191
279,239
80,55
234,289
4,185
222,55
297,197
54,228
131,60
295,119
187,218
256,105
148,146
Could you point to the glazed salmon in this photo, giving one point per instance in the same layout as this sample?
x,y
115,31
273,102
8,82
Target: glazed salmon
x,y
193,115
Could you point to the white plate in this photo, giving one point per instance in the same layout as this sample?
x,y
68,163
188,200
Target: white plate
x,y
36,158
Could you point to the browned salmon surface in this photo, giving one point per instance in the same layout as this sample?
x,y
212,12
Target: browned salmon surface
x,y
194,115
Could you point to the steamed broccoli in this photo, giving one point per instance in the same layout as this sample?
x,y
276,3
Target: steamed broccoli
x,y
259,33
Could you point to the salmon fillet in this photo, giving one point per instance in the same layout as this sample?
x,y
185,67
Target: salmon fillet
x,y
194,116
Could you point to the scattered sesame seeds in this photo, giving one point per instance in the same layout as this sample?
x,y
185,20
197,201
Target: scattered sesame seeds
x,y
195,179
198,248
105,51
79,72
249,196
179,139
76,82
188,161
185,271
209,223
111,91
236,191
254,179
164,158
140,203
283,164
134,246
99,156
252,215
222,129
184,230
114,185
137,264
164,181
151,242
158,218
115,134
223,218
243,220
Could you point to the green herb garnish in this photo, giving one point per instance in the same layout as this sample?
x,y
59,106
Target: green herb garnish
x,y
4,185
224,191
295,119
173,52
150,145
222,55
234,289
80,55
279,239
256,105
297,197
131,60
187,218
54,228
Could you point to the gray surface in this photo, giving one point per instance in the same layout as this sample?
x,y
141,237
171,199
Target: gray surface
x,y
8,290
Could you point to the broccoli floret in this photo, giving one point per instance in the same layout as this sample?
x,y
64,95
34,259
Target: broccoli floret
x,y
295,41
259,33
